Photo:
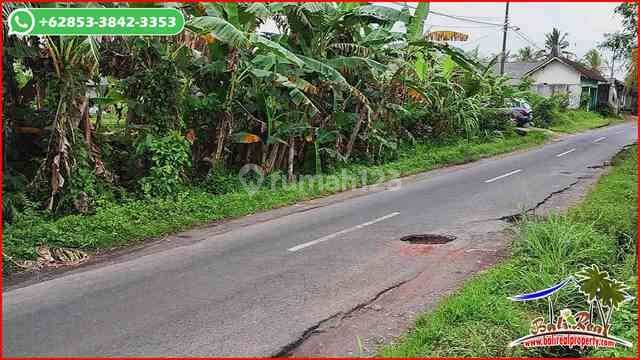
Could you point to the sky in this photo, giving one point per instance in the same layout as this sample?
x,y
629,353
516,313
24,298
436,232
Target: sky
x,y
586,24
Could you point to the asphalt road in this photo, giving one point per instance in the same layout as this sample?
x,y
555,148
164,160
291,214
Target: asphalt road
x,y
254,289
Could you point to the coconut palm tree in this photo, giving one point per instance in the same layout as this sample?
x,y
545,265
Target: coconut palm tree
x,y
556,44
593,60
526,54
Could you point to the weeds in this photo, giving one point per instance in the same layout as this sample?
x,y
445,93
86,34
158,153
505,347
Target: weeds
x,y
579,120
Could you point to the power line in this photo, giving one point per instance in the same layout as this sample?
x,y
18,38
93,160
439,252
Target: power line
x,y
474,42
458,17
464,26
526,38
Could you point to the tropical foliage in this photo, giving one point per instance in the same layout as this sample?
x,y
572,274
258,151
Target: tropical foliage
x,y
593,60
623,44
526,54
556,43
93,119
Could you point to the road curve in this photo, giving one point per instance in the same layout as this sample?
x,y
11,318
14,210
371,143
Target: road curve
x,y
252,290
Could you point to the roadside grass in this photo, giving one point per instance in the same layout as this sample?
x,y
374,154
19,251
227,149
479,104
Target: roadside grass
x,y
114,225
574,121
479,320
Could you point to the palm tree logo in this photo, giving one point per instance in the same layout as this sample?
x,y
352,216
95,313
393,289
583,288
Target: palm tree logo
x,y
603,293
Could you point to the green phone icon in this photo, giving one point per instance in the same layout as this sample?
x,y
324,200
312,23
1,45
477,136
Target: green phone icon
x,y
21,22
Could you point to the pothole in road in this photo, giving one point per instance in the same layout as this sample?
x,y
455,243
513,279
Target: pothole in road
x,y
428,239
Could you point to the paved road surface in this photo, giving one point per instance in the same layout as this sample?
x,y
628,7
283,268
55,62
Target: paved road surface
x,y
254,289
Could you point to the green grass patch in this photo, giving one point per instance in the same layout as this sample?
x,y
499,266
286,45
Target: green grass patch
x,y
115,225
574,121
479,320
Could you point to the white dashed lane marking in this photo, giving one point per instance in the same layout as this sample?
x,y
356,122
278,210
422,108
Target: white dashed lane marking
x,y
566,152
503,176
341,232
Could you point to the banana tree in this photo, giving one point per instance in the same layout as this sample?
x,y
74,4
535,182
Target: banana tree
x,y
75,61
232,27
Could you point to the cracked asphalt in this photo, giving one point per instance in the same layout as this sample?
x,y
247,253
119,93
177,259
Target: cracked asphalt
x,y
259,286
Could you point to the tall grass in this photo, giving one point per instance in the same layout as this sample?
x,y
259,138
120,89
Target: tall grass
x,y
574,121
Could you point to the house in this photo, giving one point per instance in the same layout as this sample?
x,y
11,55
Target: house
x,y
515,71
612,94
559,75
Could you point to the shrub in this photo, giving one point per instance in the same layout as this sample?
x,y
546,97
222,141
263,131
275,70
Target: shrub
x,y
170,157
606,110
546,110
222,182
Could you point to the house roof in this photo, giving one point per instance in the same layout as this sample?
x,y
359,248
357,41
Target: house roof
x,y
517,69
583,70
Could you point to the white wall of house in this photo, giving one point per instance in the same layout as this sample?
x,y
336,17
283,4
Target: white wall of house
x,y
555,77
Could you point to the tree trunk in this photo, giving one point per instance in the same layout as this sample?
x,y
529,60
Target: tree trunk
x,y
221,138
99,117
292,153
92,148
282,158
272,158
354,135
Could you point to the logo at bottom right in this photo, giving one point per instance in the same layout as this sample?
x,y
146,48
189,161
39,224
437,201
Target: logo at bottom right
x,y
584,328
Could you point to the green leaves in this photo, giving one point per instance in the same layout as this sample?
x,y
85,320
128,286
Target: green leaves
x,y
421,67
416,27
220,28
354,64
274,47
383,13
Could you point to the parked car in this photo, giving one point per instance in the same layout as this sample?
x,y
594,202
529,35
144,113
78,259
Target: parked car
x,y
520,112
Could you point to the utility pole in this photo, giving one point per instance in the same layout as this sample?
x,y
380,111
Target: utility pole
x,y
504,39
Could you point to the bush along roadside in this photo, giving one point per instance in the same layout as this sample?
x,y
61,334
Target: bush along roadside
x,y
480,319
116,225
579,120
553,113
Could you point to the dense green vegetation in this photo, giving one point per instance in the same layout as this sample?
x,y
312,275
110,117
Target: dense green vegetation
x,y
479,319
580,120
112,140
137,219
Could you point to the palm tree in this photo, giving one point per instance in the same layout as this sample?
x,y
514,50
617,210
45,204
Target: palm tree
x,y
556,44
604,292
593,60
526,54
590,280
612,294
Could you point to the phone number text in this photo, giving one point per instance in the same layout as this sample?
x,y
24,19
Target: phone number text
x,y
108,22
